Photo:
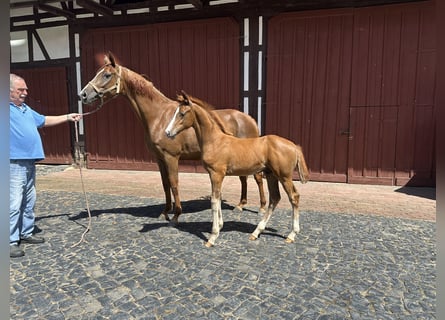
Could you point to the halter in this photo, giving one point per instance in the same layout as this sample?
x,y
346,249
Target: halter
x,y
102,92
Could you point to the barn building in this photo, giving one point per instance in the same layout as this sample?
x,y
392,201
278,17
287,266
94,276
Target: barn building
x,y
353,82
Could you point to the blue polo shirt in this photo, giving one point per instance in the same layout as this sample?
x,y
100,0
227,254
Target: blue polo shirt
x,y
24,138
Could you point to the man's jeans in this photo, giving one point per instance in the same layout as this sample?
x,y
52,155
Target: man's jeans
x,y
22,198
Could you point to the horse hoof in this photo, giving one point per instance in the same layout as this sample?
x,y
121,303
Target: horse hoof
x,y
252,237
238,209
289,240
262,211
208,244
173,223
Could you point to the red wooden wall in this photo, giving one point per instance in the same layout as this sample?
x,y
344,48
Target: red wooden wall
x,y
48,95
308,84
200,57
392,95
356,88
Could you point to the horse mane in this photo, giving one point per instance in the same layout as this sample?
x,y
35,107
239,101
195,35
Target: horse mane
x,y
209,108
141,85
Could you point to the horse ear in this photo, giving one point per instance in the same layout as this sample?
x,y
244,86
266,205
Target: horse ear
x,y
111,59
185,97
106,60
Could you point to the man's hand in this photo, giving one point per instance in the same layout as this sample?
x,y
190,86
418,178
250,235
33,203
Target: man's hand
x,y
74,117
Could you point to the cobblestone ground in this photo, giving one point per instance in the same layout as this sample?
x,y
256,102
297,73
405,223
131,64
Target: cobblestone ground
x,y
133,265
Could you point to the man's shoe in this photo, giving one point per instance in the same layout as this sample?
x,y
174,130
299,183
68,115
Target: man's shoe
x,y
15,251
33,240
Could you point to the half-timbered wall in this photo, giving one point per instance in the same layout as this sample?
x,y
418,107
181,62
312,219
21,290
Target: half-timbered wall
x,y
354,85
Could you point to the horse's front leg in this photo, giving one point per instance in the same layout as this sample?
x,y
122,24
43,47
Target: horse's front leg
x,y
259,181
172,170
215,201
166,186
243,198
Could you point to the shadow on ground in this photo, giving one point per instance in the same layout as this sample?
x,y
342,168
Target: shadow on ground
x,y
197,229
427,193
152,211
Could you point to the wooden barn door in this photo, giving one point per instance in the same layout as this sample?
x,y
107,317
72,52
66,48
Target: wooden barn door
x,y
200,57
48,95
356,89
308,86
391,137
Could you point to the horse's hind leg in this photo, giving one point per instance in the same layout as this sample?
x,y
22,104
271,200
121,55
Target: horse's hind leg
x,y
243,199
274,198
294,199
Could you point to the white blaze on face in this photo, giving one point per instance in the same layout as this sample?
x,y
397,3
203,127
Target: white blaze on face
x,y
169,129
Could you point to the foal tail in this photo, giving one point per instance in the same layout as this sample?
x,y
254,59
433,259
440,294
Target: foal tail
x,y
302,167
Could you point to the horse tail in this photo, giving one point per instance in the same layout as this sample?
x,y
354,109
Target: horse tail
x,y
302,167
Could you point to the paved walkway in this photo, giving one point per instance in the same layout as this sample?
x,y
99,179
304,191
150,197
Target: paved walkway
x,y
364,252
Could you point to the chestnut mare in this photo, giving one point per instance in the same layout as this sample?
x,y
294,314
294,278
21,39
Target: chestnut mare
x,y
223,154
154,110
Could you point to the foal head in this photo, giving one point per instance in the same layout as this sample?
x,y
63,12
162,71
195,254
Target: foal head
x,y
105,85
183,118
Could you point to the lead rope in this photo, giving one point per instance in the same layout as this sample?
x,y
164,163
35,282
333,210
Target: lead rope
x,y
77,155
77,147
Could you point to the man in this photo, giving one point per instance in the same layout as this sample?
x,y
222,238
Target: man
x,y
25,148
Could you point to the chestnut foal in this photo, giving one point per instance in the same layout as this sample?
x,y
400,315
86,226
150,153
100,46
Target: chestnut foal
x,y
224,154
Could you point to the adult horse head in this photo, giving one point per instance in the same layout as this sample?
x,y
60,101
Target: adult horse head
x,y
153,109
105,85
